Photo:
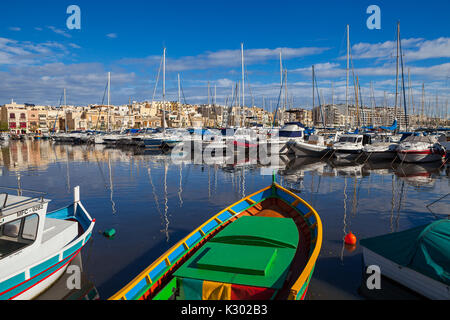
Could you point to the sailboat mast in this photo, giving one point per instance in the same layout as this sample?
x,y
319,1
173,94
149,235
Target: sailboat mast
x,y
396,76
403,79
243,75
109,99
285,90
348,69
164,90
313,95
423,102
179,100
65,103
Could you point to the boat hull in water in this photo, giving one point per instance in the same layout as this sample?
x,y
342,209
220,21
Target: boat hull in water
x,y
228,256
430,155
305,149
343,154
379,155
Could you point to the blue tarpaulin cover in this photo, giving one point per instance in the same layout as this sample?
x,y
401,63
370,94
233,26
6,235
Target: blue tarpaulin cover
x,y
425,249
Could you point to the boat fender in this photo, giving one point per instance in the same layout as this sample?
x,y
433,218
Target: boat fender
x,y
350,239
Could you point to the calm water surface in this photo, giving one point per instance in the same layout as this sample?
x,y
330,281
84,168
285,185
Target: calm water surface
x,y
153,203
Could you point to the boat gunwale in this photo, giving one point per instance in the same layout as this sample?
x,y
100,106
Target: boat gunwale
x,y
295,289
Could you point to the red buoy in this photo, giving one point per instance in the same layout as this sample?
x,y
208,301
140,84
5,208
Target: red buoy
x,y
350,239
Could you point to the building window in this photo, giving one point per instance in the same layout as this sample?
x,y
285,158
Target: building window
x,y
12,115
22,116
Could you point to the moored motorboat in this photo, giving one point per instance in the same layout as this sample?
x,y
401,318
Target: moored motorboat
x,y
265,246
314,146
35,246
350,146
420,149
380,151
418,258
291,131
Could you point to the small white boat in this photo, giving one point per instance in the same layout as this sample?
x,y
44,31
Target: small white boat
x,y
350,146
35,246
314,146
380,151
417,258
420,149
292,131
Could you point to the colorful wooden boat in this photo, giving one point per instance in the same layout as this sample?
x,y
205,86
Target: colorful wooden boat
x,y
263,247
35,246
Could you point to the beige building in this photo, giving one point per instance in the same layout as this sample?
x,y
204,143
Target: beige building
x,y
16,117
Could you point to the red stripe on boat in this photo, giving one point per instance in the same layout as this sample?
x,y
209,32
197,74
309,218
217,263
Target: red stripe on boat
x,y
71,258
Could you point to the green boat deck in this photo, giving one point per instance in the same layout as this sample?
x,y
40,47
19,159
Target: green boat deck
x,y
253,251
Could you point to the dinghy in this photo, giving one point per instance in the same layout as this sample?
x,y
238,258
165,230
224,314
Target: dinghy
x,y
263,247
35,246
418,258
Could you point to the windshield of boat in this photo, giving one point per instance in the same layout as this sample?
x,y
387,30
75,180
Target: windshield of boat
x,y
17,234
347,139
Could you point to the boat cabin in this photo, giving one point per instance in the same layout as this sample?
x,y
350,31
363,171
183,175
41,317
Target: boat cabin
x,y
359,139
24,226
20,222
292,130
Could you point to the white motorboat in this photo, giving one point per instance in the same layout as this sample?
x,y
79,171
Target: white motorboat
x,y
350,146
292,131
420,149
314,145
380,151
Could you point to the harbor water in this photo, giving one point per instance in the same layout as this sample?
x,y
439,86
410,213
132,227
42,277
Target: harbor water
x,y
152,203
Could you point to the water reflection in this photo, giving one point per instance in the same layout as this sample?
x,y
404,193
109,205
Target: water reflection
x,y
419,175
153,202
74,284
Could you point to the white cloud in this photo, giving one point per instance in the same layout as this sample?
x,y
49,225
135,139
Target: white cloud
x,y
75,46
13,52
414,49
225,58
15,29
60,31
112,35
225,83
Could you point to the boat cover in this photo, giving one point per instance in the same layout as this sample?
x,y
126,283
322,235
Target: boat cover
x,y
425,249
249,259
392,127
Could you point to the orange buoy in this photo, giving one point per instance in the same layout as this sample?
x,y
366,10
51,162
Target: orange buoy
x,y
350,239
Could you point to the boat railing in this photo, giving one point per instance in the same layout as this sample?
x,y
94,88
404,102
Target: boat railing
x,y
316,241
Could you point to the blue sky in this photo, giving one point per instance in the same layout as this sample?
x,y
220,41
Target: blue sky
x,y
39,55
